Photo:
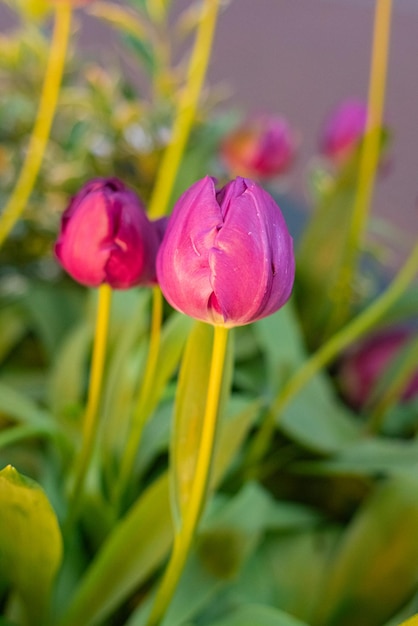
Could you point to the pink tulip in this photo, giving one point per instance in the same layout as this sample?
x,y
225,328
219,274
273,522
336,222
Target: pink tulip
x,y
262,147
106,237
227,256
362,368
344,130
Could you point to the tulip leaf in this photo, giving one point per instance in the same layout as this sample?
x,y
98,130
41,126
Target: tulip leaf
x,y
314,417
30,543
229,534
189,412
141,540
67,379
13,327
375,568
368,457
257,614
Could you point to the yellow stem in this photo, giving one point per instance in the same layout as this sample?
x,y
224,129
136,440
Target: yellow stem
x,y
91,415
334,346
141,413
42,126
369,158
184,537
186,110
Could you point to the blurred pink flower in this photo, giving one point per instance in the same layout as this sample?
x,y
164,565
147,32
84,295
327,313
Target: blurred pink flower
x,y
227,256
263,147
344,130
361,368
106,237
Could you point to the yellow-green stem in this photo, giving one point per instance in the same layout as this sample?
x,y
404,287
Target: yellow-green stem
x,y
40,134
184,536
369,159
91,421
186,110
141,413
334,346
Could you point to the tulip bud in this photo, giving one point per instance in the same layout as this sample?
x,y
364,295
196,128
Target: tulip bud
x,y
106,237
362,367
262,147
344,130
227,256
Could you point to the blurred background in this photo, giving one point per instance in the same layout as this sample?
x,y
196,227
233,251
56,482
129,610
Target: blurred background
x,y
301,58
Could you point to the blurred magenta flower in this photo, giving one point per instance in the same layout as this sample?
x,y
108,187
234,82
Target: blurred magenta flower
x,y
361,368
106,237
262,147
227,256
344,130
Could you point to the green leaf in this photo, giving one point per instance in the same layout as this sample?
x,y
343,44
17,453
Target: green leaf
x,y
368,457
68,376
288,569
375,568
140,541
230,533
189,413
13,327
30,543
129,556
258,615
314,418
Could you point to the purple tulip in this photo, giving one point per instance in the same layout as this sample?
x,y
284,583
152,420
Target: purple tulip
x,y
365,364
227,256
262,147
344,130
106,237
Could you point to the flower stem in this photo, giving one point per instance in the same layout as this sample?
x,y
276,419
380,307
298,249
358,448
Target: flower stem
x,y
334,346
186,111
141,413
91,421
43,122
369,159
184,536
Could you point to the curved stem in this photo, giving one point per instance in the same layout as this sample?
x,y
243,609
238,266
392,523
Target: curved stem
x,y
141,413
42,126
369,158
325,355
91,421
186,110
185,535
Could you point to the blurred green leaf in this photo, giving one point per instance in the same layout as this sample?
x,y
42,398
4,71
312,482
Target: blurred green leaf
x,y
288,569
375,569
67,378
13,327
30,543
141,540
253,614
314,418
368,457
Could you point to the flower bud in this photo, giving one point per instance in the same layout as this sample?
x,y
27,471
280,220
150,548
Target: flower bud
x,y
262,147
343,131
227,256
106,237
362,367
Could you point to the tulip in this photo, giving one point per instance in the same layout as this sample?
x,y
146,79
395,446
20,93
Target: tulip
x,y
344,130
262,147
227,256
362,367
106,237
